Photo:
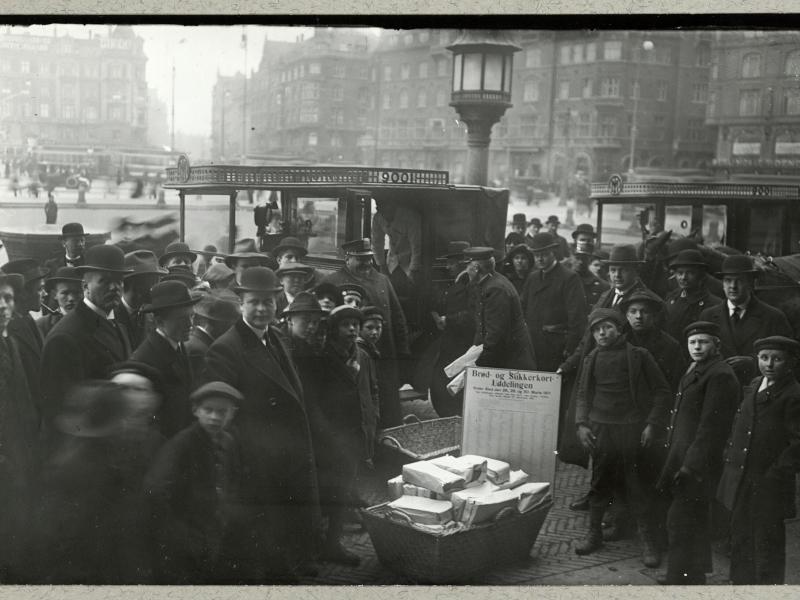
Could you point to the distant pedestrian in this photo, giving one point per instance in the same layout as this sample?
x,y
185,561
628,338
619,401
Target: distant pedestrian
x,y
51,210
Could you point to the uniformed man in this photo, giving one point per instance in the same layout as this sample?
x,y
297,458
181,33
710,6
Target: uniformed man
x,y
499,322
691,297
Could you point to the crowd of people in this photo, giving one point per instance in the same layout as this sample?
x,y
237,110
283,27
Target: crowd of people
x,y
202,417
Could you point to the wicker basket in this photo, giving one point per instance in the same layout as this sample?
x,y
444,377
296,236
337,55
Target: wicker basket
x,y
420,440
456,557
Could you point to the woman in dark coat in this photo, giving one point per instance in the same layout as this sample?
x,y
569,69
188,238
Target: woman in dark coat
x,y
761,460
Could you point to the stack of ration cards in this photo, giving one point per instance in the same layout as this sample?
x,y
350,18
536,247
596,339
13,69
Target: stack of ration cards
x,y
468,489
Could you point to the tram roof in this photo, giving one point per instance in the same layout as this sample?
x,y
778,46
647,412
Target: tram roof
x,y
618,190
223,179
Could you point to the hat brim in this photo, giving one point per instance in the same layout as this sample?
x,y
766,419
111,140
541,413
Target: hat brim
x,y
278,249
86,268
230,258
313,311
688,264
542,249
624,263
365,253
241,290
304,272
206,254
747,272
160,271
51,281
152,308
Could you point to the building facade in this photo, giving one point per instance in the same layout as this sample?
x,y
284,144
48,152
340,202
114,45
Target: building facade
x,y
754,102
62,90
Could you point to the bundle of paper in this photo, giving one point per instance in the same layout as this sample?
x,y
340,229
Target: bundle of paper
x,y
515,478
431,477
465,360
395,487
530,495
460,497
497,471
424,510
471,470
457,383
409,489
478,509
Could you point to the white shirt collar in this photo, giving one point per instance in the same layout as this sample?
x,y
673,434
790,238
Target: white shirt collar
x,y
731,306
258,332
170,341
98,311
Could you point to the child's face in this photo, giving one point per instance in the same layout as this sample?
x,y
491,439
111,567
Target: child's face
x,y
774,364
641,316
702,347
347,330
303,325
605,333
371,330
214,414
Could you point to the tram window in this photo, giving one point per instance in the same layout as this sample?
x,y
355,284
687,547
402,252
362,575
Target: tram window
x,y
323,221
678,219
715,224
765,230
621,222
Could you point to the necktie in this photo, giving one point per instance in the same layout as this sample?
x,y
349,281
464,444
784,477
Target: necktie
x,y
736,316
617,298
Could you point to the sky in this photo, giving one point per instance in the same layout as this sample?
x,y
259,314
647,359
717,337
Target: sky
x,y
198,52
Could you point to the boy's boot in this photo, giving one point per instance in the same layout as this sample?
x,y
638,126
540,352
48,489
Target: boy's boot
x,y
594,537
651,555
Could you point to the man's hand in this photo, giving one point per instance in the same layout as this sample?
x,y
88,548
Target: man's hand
x,y
648,436
586,437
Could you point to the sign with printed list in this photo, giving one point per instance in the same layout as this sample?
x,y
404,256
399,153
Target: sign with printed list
x,y
512,416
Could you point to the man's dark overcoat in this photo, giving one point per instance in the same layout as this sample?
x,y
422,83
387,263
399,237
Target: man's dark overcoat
x,y
81,346
29,344
47,322
500,326
196,347
682,312
176,381
279,481
554,307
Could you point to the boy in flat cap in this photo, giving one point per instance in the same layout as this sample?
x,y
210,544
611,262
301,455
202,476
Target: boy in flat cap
x,y
622,404
191,485
760,463
708,395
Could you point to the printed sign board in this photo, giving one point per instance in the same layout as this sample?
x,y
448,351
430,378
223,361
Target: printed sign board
x,y
512,416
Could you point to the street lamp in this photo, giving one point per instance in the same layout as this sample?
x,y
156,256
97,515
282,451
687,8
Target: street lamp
x,y
481,91
647,46
225,96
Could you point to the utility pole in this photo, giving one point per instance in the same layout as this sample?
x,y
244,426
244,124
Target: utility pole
x,y
244,98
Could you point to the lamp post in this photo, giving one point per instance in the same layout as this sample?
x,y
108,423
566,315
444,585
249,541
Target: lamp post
x,y
647,46
481,91
225,95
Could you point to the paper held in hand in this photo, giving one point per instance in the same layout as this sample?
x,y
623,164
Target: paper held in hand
x,y
456,370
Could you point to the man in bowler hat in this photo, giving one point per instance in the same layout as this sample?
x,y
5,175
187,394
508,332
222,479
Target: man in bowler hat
x,y
73,239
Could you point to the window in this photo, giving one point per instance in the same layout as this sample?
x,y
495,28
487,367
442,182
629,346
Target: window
x,y
387,101
609,87
577,53
337,93
533,57
419,129
591,52
44,110
312,138
310,91
408,39
90,113
26,110
749,103
528,126
608,127
423,70
700,92
91,71
68,111
791,102
115,113
793,64
424,36
563,89
422,99
314,68
337,116
441,98
530,91
751,65
387,73
663,55
336,140
404,98
402,129
444,37
564,55
436,128
703,55
585,125
659,129
712,103
696,131
441,67
5,65
25,66
405,71
586,88
339,71
612,50
661,91
635,89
